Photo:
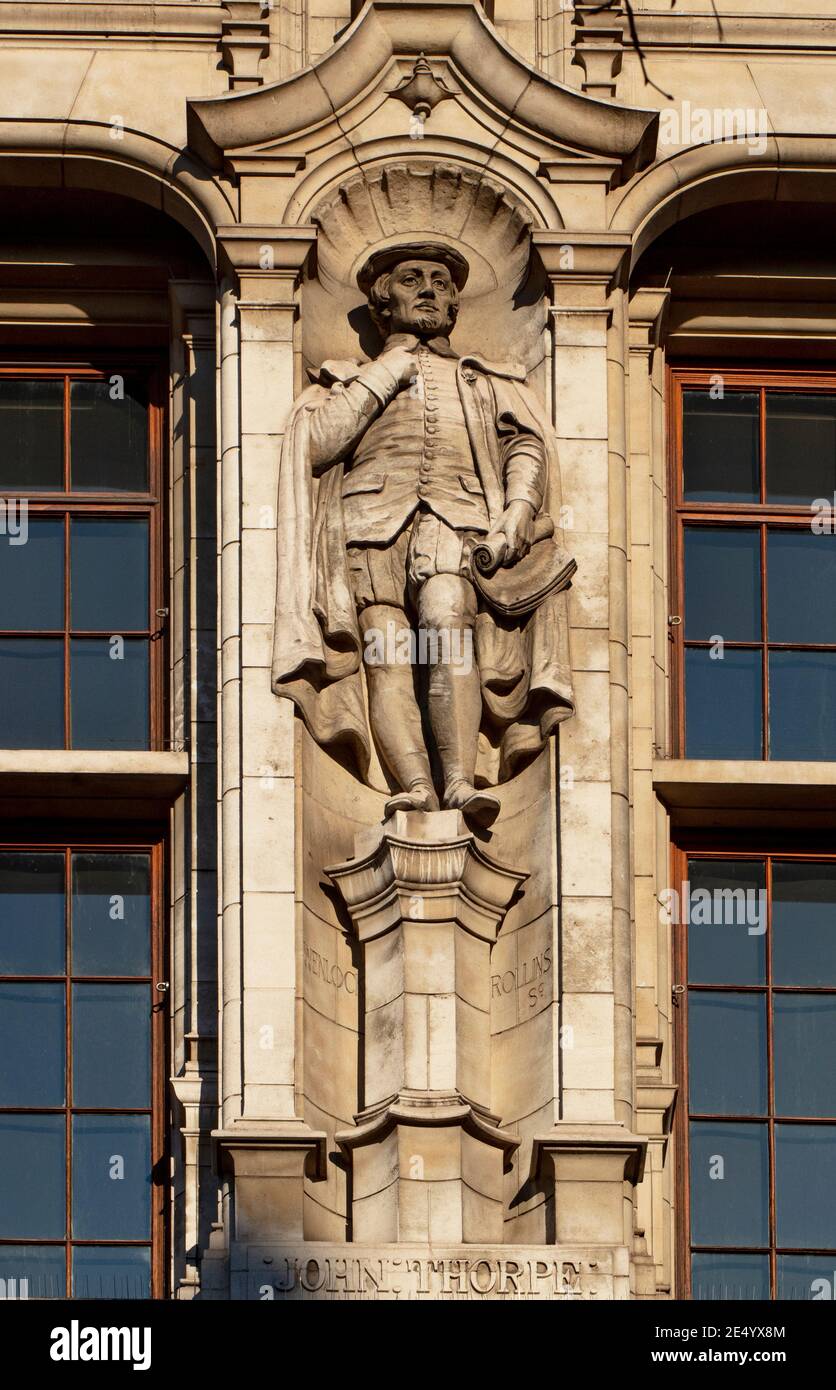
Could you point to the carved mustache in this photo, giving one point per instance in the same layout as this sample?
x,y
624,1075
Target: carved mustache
x,y
425,306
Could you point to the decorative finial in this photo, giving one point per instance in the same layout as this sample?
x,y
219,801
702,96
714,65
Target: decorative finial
x,y
423,90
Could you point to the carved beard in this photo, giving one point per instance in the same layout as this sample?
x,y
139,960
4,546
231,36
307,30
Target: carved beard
x,y
429,318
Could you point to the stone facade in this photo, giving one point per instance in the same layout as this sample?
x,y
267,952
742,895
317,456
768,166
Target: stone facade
x,y
250,156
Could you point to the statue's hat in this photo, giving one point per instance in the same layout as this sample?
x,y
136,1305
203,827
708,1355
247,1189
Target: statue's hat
x,y
387,257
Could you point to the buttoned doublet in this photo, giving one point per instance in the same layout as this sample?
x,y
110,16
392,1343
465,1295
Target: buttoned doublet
x,y
412,499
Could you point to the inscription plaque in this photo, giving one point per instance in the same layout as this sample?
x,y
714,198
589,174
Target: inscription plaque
x,y
402,1272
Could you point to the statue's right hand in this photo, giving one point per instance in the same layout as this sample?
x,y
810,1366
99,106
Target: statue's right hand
x,y
401,363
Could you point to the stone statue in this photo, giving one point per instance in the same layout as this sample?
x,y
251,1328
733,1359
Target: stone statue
x,y
392,472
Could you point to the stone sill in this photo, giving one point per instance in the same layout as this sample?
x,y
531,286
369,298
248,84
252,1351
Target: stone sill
x,y
708,792
76,783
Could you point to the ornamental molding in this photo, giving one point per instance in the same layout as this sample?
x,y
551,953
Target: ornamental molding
x,y
245,40
366,72
599,44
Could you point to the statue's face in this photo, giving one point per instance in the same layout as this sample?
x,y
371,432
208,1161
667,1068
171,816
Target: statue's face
x,y
421,297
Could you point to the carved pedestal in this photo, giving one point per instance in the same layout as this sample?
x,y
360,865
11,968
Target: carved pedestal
x,y
426,1155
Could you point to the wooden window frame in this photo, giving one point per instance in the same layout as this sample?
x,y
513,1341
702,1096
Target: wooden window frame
x,y
752,514
66,503
741,846
139,841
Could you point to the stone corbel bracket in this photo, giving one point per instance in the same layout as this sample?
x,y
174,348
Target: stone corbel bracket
x,y
408,876
416,1108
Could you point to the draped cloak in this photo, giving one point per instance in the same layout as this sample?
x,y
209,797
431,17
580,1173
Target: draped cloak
x,y
523,663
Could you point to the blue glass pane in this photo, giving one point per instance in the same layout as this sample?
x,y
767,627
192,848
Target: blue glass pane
x,y
721,446
111,1177
109,574
32,431
111,1046
800,447
801,571
802,706
32,1044
32,576
719,1277
100,1271
723,714
33,1271
805,1050
32,914
807,1277
32,692
803,923
109,692
720,1026
729,1167
33,1189
805,1180
722,583
726,915
109,435
111,914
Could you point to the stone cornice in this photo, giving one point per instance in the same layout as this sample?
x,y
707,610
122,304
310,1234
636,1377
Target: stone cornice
x,y
454,30
53,22
771,34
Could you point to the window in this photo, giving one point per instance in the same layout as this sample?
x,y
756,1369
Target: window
x,y
80,549
755,565
81,1037
756,1037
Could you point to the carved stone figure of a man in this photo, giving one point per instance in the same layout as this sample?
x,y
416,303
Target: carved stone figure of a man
x,y
421,453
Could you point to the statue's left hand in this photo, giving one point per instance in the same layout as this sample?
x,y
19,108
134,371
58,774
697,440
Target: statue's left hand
x,y
517,526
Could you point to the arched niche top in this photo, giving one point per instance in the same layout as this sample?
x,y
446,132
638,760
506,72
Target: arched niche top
x,y
502,305
452,32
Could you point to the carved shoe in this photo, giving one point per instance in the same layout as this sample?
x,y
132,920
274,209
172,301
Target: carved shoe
x,y
419,798
478,806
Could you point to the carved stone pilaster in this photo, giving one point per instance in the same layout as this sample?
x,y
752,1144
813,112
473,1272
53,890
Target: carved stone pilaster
x,y
426,902
245,40
194,1096
599,44
648,321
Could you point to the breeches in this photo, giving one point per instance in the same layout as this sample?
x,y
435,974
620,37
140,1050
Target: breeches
x,y
393,574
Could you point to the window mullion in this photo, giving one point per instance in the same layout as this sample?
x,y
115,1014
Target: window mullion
x,y
68,1094
765,641
67,621
762,446
67,444
770,1058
